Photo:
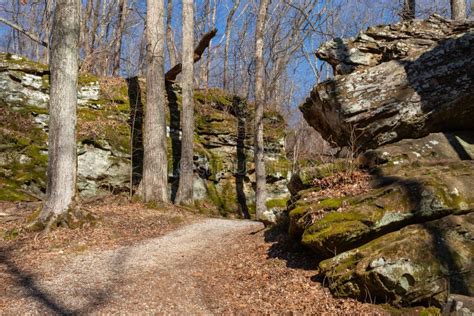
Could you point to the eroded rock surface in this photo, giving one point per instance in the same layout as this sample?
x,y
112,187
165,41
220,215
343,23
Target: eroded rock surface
x,y
410,238
419,264
223,141
398,81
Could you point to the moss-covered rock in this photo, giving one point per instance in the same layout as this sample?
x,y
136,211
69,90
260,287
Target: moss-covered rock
x,y
223,126
419,264
413,198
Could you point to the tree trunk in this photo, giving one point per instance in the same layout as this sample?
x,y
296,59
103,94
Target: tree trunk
x,y
472,10
458,10
173,55
261,193
209,50
202,75
155,162
62,110
85,27
95,25
427,89
119,35
409,11
228,30
185,189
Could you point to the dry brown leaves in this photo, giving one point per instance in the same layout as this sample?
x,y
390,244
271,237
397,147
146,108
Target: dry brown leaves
x,y
342,184
118,223
267,273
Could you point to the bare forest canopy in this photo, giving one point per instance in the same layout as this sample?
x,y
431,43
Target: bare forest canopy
x,y
113,39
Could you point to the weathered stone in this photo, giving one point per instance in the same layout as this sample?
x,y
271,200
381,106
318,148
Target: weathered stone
x,y
423,193
104,139
388,42
424,89
419,264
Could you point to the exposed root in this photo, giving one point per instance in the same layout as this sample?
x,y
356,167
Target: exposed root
x,y
74,217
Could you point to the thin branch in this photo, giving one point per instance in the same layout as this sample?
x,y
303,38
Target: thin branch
x,y
25,32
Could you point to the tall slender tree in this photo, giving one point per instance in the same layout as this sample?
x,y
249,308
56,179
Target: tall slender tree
x,y
409,11
169,35
261,192
472,9
122,16
185,189
458,10
64,65
155,164
228,29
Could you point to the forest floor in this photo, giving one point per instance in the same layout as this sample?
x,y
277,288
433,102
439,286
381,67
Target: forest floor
x,y
141,260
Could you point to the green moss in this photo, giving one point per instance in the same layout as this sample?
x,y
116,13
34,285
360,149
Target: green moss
x,y
45,82
87,79
25,63
11,234
280,203
430,311
217,96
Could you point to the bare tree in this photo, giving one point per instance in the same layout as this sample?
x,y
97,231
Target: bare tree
x,y
155,163
458,10
409,11
228,29
261,193
64,65
185,189
173,55
122,15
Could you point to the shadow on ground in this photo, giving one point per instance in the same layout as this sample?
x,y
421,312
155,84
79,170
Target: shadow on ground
x,y
29,285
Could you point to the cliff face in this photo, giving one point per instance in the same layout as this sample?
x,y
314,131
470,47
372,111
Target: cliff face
x,y
396,225
223,139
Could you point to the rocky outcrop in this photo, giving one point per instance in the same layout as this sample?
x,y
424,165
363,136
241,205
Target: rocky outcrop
x,y
419,264
409,239
223,142
398,81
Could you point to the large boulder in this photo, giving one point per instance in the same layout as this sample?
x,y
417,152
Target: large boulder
x,y
419,188
422,194
419,264
404,80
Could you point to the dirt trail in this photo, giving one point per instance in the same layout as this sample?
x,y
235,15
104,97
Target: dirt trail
x,y
194,269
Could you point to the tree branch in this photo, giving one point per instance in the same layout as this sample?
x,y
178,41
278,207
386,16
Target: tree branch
x,y
198,51
22,30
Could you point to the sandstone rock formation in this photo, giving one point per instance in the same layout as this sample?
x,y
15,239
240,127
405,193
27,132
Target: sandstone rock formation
x,y
398,81
408,240
104,119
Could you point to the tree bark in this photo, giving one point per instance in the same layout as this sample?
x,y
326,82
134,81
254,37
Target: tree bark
x,y
185,189
64,65
122,14
85,27
155,163
173,55
209,51
472,10
261,192
425,90
409,11
228,29
458,10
